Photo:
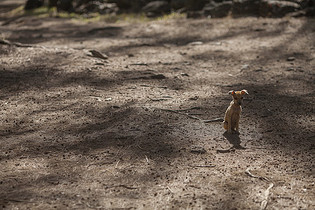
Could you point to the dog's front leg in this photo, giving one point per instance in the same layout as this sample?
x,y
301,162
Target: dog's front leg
x,y
229,125
237,125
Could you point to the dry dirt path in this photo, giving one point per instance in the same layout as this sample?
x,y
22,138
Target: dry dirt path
x,y
81,132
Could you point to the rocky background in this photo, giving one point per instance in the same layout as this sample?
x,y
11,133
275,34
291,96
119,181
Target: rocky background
x,y
193,8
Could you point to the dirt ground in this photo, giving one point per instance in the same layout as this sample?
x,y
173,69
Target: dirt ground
x,y
79,132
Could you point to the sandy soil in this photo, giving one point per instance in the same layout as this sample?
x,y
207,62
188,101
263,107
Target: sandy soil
x,y
79,132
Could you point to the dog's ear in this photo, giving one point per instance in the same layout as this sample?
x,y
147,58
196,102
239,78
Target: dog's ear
x,y
244,92
232,92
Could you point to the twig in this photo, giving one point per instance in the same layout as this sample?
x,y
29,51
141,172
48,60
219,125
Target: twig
x,y
127,187
192,117
139,64
18,201
170,189
17,44
188,109
147,159
202,166
232,149
254,176
214,120
100,163
197,187
158,99
121,185
117,164
264,203
180,111
97,54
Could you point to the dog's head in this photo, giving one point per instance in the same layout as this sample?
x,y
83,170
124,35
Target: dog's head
x,y
238,96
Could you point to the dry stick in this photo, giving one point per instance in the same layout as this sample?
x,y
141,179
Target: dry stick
x,y
178,112
232,149
16,44
214,120
16,200
188,109
170,189
139,64
193,117
122,185
264,203
147,159
202,166
97,54
100,163
254,176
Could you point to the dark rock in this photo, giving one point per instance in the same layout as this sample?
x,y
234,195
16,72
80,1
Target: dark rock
x,y
245,8
33,4
65,5
178,4
195,5
218,10
158,76
310,12
270,8
157,8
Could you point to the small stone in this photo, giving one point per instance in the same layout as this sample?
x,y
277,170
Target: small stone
x,y
158,76
97,54
194,98
290,58
259,69
244,67
197,149
290,69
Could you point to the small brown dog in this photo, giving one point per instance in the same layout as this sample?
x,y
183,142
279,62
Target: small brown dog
x,y
233,112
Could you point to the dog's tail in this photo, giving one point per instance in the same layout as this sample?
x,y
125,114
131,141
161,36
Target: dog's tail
x,y
225,125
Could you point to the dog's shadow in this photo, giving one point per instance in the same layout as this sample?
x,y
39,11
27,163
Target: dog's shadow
x,y
235,140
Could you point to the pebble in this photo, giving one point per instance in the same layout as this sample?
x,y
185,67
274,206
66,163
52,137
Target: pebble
x,y
197,149
195,43
290,69
184,75
290,58
244,67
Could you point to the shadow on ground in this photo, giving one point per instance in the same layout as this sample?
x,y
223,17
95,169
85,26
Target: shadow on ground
x,y
65,135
